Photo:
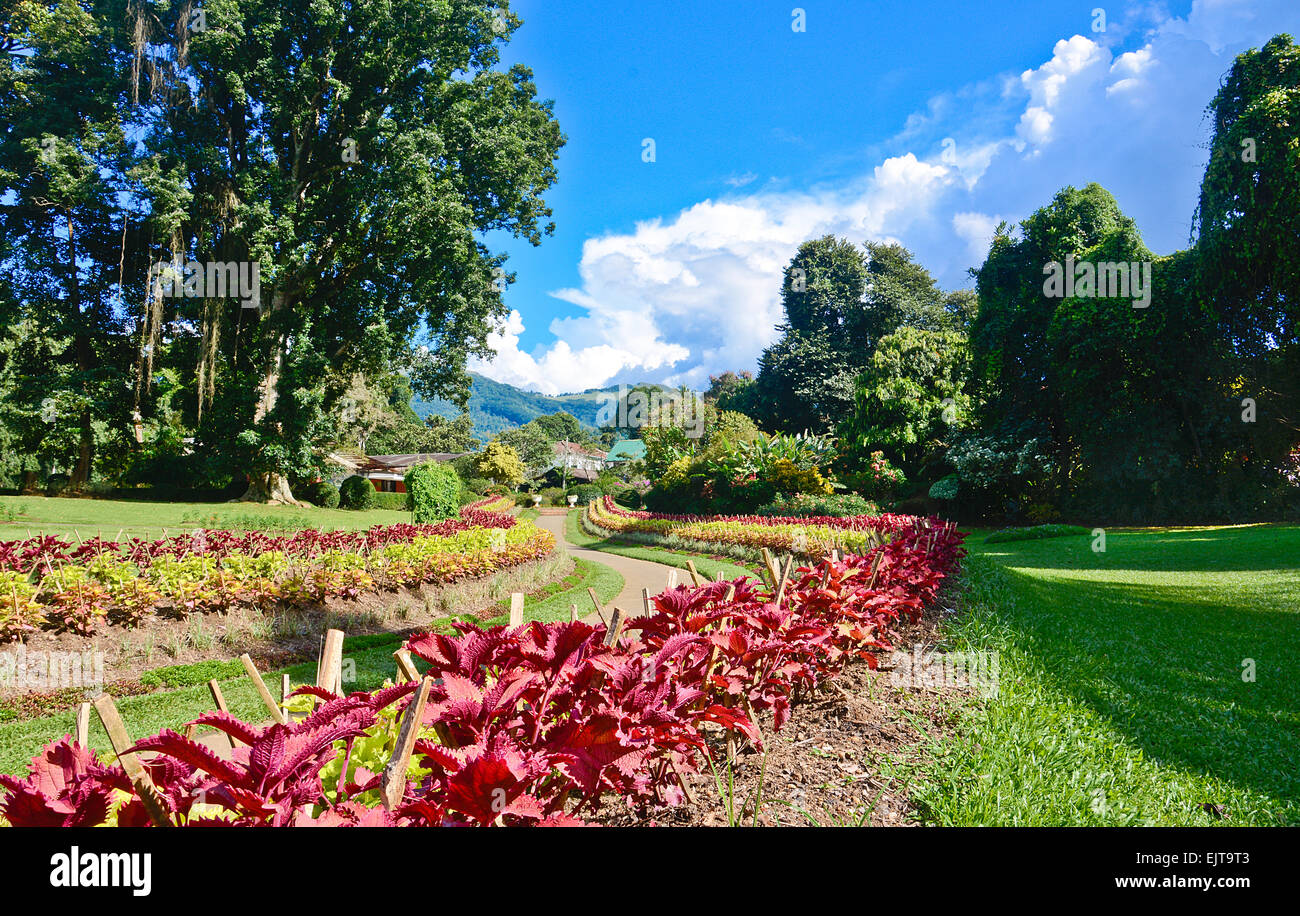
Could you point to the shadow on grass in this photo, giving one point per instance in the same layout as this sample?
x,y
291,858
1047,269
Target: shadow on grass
x,y
1164,664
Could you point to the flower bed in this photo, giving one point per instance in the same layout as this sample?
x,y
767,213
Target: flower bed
x,y
52,584
811,538
535,725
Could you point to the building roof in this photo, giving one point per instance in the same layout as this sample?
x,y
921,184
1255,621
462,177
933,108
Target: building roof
x,y
565,447
391,462
626,450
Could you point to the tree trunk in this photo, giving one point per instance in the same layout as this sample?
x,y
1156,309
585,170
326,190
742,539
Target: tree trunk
x,y
270,488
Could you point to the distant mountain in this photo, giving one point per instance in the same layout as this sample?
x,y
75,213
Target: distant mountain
x,y
496,406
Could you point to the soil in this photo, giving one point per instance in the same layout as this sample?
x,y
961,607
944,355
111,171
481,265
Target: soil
x,y
825,766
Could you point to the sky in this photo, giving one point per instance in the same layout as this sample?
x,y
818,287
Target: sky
x,y
925,123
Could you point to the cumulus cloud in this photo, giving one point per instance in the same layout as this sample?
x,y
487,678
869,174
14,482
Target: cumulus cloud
x,y
694,293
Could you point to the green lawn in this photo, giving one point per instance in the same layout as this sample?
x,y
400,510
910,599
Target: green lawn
x,y
69,518
1122,698
372,656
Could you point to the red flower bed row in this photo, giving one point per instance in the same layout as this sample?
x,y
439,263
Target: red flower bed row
x,y
886,522
47,551
533,725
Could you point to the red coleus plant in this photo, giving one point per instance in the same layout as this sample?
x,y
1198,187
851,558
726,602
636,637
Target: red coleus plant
x,y
535,724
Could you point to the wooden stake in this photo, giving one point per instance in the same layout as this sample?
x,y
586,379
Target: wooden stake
x,y
695,573
600,611
405,667
615,628
330,669
284,697
393,780
121,741
573,613
731,594
645,602
516,609
215,689
83,725
672,578
785,577
875,568
770,565
260,686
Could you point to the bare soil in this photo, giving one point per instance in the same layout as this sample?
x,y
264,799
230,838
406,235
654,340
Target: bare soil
x,y
825,767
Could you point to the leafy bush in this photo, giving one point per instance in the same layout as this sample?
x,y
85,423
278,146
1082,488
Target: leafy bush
x,y
879,480
356,493
837,505
630,498
320,493
945,487
55,484
398,501
1034,533
553,496
434,491
478,485
585,492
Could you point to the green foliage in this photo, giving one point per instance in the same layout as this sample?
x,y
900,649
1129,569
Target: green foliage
x,y
321,493
946,487
1034,533
500,463
394,501
56,484
190,675
434,491
908,398
838,505
586,493
356,493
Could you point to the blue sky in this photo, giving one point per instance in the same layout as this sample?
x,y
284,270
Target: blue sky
x,y
921,122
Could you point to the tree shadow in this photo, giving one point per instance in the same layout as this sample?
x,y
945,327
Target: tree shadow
x,y
1164,664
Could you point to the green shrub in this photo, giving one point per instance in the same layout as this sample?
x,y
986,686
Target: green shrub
x,y
398,501
585,492
553,496
1034,533
434,490
945,487
356,493
320,493
55,484
478,485
629,498
839,505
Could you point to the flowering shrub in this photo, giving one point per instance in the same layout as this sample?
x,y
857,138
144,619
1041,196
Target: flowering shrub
x,y
46,582
533,725
811,537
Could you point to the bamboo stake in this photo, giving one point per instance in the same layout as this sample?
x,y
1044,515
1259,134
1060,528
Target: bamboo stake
x,y
672,578
785,577
215,689
393,780
516,610
573,613
769,563
284,697
615,628
600,611
695,573
121,741
260,686
405,667
645,602
330,668
875,568
83,725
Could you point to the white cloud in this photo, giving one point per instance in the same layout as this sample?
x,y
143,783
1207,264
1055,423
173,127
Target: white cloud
x,y
692,294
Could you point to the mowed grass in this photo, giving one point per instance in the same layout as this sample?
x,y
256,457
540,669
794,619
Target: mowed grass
x,y
69,518
1155,683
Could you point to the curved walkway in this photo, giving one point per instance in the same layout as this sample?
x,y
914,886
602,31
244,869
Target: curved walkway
x,y
637,574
